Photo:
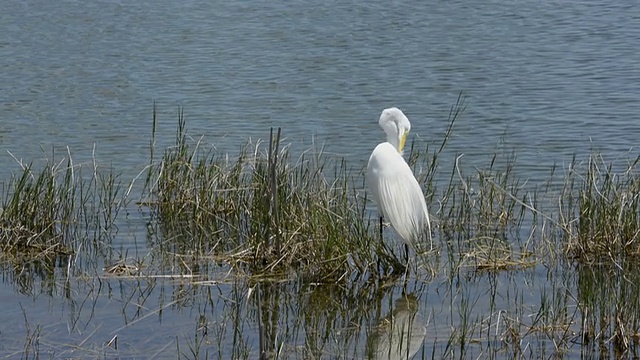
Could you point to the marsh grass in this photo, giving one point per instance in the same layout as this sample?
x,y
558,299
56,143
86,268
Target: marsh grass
x,y
485,221
609,302
51,212
263,211
599,216
37,215
604,223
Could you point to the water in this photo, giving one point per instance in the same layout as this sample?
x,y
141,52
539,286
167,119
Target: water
x,y
544,79
551,78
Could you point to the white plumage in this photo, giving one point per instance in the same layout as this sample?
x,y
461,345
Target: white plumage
x,y
391,182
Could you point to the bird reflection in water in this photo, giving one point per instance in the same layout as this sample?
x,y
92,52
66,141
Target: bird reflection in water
x,y
400,334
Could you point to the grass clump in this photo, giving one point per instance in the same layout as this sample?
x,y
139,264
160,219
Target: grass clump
x,y
601,221
51,212
37,212
262,209
608,222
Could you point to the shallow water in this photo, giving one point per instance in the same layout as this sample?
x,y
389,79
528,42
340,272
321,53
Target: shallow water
x,y
161,317
545,80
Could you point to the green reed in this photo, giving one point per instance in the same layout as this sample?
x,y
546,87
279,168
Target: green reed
x,y
603,216
48,215
263,209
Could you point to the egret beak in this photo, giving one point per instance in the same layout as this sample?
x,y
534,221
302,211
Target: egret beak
x,y
403,141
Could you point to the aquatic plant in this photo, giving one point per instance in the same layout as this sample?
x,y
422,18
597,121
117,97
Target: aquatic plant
x,y
602,218
52,211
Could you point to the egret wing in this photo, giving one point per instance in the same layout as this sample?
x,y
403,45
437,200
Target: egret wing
x,y
397,193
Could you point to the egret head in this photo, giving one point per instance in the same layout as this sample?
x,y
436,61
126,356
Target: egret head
x,y
396,125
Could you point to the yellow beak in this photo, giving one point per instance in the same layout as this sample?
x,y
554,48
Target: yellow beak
x,y
403,141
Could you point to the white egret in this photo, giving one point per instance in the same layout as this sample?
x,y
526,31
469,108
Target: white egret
x,y
394,187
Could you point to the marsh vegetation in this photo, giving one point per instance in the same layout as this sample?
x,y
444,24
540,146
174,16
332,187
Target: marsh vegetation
x,y
279,255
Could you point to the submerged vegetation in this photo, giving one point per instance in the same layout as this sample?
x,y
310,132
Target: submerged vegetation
x,y
267,216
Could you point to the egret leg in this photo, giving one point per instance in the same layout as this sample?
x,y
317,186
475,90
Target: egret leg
x,y
405,280
404,276
406,260
381,243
